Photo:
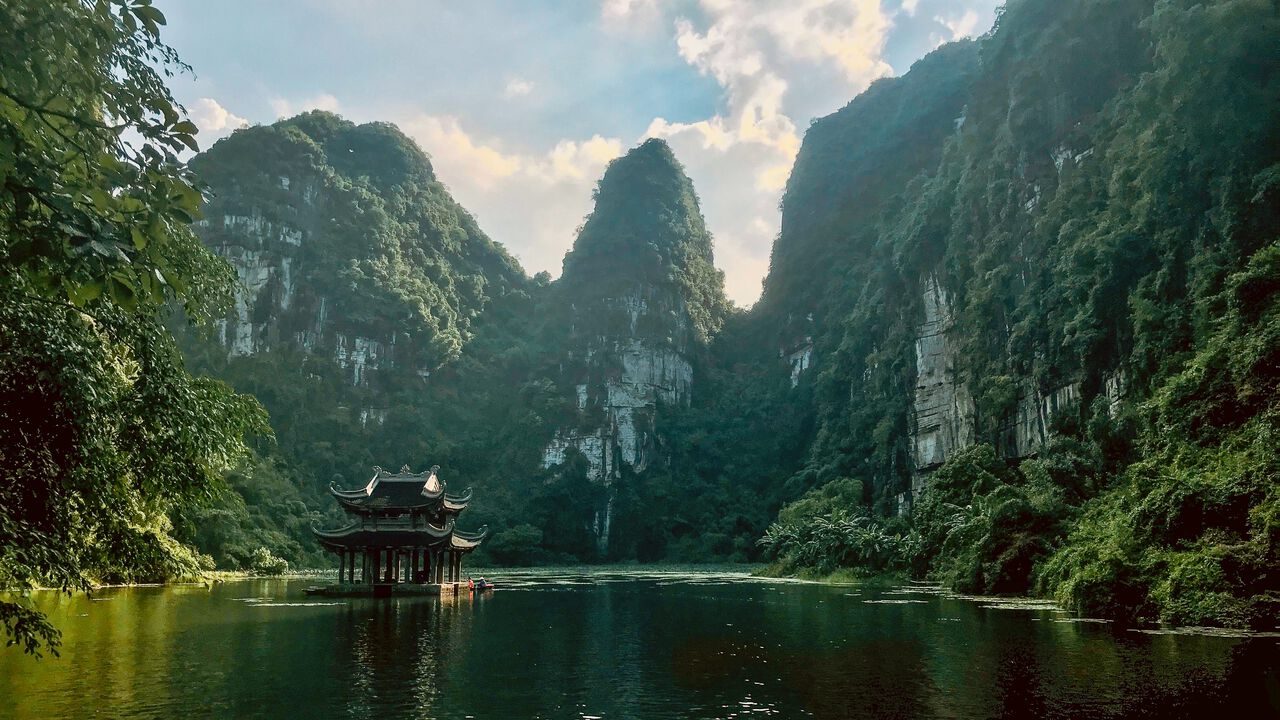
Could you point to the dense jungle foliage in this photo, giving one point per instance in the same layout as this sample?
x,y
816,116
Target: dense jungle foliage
x,y
104,432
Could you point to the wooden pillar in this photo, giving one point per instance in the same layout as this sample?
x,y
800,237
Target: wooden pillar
x,y
342,564
413,566
377,564
364,566
439,562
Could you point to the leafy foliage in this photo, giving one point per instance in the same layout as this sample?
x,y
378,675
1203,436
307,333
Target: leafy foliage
x,y
104,431
264,563
94,201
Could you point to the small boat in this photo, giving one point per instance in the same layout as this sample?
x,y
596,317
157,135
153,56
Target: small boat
x,y
480,585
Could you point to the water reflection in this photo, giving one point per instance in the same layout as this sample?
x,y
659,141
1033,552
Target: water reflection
x,y
618,643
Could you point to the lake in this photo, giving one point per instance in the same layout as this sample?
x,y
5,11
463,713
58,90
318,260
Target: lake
x,y
620,643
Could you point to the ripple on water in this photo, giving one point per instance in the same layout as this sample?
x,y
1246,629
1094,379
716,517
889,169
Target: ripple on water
x,y
1208,632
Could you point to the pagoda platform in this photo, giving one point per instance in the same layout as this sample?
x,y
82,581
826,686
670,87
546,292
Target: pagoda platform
x,y
388,589
402,539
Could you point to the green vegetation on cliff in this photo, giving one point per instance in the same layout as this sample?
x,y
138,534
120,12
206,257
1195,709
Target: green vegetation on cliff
x,y
1103,227
647,231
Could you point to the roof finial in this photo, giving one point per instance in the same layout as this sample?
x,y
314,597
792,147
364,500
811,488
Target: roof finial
x,y
404,470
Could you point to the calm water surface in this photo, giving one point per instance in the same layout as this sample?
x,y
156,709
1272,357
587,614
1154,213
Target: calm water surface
x,y
615,643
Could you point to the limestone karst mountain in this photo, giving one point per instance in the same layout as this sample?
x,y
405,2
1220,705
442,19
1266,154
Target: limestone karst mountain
x,y
375,317
361,279
347,246
642,298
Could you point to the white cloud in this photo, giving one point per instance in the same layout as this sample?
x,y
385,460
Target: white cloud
x,y
452,148
740,157
283,107
618,10
963,26
517,87
575,162
909,6
743,265
213,120
530,202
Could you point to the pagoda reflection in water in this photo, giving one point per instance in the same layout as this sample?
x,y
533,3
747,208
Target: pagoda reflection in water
x,y
403,538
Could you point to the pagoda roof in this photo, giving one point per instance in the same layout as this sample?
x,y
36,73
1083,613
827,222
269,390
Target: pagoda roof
x,y
404,490
457,503
391,533
468,541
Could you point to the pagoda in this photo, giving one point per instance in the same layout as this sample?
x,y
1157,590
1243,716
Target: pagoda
x,y
402,539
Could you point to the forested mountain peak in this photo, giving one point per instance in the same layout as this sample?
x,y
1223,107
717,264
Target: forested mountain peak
x,y
647,233
378,150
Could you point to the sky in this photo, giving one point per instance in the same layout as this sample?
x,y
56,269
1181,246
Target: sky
x,y
521,103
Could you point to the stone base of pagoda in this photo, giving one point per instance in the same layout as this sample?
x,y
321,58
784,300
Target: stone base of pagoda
x,y
388,589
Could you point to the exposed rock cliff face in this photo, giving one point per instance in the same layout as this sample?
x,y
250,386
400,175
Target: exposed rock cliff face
x,y
942,419
642,296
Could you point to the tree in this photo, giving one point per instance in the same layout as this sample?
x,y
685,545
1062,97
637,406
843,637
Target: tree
x,y
104,433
